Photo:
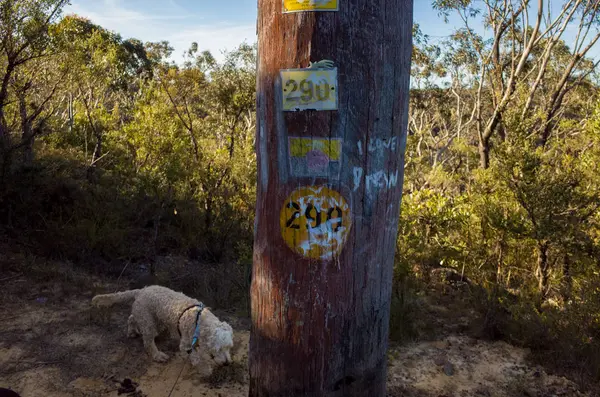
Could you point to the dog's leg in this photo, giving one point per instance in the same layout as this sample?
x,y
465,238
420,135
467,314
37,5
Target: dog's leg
x,y
174,333
151,348
185,340
183,347
132,330
149,332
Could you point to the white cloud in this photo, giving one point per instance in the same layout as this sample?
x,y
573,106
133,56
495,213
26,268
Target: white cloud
x,y
174,25
110,12
215,38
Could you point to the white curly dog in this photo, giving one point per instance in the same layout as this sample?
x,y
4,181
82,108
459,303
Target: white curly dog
x,y
157,309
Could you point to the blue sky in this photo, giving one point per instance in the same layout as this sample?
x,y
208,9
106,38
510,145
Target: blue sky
x,y
214,25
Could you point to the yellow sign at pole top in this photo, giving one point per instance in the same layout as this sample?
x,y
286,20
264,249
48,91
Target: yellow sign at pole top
x,y
309,5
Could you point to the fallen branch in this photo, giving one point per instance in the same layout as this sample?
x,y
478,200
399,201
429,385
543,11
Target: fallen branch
x,y
36,364
10,277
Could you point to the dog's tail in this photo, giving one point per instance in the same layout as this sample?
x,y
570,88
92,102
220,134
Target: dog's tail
x,y
107,300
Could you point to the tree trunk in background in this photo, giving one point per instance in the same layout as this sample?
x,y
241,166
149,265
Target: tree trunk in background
x,y
27,134
543,269
484,153
5,165
567,279
328,197
97,148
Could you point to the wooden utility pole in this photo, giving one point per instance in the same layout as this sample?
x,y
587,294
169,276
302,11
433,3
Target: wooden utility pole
x,y
332,95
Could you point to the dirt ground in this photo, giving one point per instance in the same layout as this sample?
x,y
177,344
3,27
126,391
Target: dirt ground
x,y
53,344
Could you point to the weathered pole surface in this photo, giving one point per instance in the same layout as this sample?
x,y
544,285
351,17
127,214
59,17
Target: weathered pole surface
x,y
329,191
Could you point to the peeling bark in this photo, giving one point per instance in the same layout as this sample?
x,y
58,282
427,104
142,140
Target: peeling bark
x,y
320,326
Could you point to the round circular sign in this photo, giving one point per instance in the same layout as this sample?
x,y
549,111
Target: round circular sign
x,y
315,222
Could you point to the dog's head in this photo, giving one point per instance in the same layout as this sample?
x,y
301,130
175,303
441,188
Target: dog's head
x,y
220,351
217,347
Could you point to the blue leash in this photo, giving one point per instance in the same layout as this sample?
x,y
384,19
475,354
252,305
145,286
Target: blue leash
x,y
197,330
196,336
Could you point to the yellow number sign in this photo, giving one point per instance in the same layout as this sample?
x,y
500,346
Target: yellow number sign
x,y
309,5
315,222
309,89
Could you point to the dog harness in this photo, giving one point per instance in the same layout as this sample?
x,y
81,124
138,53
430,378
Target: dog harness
x,y
196,336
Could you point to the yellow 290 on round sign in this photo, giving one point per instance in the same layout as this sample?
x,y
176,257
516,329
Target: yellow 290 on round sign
x,y
315,222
